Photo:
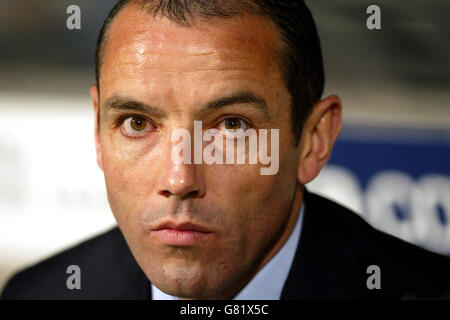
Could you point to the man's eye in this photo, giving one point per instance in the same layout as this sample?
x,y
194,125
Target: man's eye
x,y
233,127
135,126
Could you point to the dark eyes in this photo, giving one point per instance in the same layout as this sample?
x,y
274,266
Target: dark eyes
x,y
138,126
233,127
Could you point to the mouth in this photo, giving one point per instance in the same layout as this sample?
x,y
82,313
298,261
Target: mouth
x,y
185,234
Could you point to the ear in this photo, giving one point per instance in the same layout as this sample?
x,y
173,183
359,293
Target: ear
x,y
94,95
318,137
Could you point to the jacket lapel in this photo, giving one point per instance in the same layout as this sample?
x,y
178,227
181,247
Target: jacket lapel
x,y
324,265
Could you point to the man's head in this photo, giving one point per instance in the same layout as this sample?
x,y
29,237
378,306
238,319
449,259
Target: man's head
x,y
299,53
252,64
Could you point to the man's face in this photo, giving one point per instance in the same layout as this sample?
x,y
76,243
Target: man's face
x,y
177,71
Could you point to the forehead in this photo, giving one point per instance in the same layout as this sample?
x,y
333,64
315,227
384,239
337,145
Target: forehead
x,y
137,42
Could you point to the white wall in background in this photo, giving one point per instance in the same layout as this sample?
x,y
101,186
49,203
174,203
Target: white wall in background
x,y
52,193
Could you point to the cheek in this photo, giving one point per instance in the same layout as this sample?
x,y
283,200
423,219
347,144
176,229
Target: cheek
x,y
243,188
128,164
257,205
129,179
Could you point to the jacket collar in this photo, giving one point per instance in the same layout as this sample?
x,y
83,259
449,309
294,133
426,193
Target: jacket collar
x,y
325,265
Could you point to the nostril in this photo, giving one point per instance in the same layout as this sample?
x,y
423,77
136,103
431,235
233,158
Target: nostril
x,y
192,194
165,193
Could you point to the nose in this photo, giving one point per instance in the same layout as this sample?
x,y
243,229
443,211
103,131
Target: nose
x,y
182,181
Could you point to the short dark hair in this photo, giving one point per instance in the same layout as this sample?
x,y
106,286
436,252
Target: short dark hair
x,y
301,59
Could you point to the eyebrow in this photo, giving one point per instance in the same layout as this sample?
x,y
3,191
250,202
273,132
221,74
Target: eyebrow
x,y
125,103
245,97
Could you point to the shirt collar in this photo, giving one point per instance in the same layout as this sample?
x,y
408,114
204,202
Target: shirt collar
x,y
269,281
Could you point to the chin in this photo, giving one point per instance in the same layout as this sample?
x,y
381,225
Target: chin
x,y
187,281
184,287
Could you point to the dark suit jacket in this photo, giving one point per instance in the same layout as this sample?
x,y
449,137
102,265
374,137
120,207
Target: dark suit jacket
x,y
336,247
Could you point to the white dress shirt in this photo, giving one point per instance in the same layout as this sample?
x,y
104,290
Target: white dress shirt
x,y
269,281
